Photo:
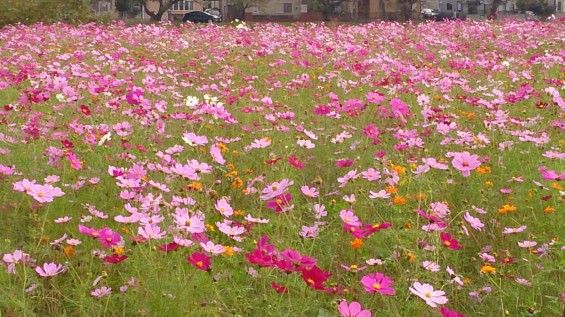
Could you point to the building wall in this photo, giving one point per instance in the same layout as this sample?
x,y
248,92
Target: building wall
x,y
278,7
170,14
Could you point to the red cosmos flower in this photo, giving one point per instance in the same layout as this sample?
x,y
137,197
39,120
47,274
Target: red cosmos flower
x,y
315,277
273,160
369,229
115,258
344,163
448,242
169,247
200,261
67,144
279,288
294,161
85,110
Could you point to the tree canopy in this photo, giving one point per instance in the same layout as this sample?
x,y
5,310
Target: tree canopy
x,y
28,12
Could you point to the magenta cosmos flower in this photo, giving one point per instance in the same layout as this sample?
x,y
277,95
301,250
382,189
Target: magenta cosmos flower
x,y
50,269
378,283
427,293
465,162
449,242
352,310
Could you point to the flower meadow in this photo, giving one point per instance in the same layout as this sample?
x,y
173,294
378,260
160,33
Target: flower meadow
x,y
381,169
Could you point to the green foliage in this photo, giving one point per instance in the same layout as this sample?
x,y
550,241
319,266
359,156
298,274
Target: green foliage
x,y
539,7
124,5
29,12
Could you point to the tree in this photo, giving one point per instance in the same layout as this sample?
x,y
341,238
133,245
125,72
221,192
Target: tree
x,y
29,12
240,6
126,7
328,8
494,9
164,5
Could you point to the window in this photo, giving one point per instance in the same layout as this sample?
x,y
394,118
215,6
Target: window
x,y
183,5
287,7
449,7
559,6
459,6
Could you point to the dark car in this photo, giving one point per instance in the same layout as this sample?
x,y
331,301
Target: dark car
x,y
201,16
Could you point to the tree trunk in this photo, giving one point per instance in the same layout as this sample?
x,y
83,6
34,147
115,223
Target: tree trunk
x,y
494,10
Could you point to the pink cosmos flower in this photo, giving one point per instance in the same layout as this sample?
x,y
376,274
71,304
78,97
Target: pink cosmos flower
x,y
449,313
44,193
11,259
352,310
276,188
281,203
109,238
223,207
50,269
371,174
216,154
200,261
378,283
465,162
428,294
296,162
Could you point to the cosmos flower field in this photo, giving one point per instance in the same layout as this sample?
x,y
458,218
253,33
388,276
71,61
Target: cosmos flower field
x,y
268,170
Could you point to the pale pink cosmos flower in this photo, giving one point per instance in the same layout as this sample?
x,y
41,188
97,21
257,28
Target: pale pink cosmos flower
x,y
212,248
223,207
151,231
275,189
514,230
473,221
320,211
375,262
428,294
216,154
311,192
63,219
527,244
350,198
192,139
309,232
380,194
348,217
371,174
352,310
50,269
431,266
11,259
465,162
101,292
523,281
23,185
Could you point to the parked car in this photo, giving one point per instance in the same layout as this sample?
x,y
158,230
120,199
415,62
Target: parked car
x,y
428,14
201,16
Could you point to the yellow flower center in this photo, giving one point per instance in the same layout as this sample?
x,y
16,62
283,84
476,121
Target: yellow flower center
x,y
377,286
428,295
